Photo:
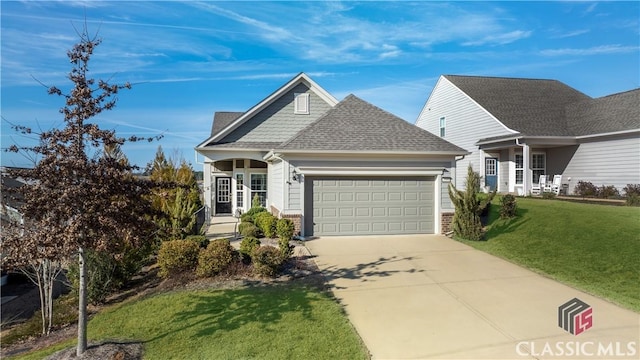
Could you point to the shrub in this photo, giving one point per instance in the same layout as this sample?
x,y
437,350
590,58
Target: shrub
x,y
285,229
469,206
201,240
633,199
548,195
607,192
177,256
266,223
248,245
631,189
585,189
508,206
246,217
248,229
215,258
266,261
253,212
285,248
101,280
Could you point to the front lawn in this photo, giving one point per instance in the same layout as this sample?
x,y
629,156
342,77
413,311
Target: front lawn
x,y
265,322
595,248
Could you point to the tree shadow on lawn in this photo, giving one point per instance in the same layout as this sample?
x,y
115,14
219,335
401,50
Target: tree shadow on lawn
x,y
503,226
227,310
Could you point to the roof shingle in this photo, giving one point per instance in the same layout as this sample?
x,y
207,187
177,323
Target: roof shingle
x,y
356,125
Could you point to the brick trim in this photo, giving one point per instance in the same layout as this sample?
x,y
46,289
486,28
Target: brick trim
x,y
446,222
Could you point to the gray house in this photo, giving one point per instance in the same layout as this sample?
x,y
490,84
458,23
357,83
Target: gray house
x,y
334,167
518,129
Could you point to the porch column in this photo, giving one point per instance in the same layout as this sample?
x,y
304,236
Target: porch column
x,y
526,169
207,185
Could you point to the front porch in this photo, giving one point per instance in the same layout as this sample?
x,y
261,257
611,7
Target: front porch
x,y
515,165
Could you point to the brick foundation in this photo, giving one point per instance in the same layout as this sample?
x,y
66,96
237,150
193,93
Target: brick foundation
x,y
297,221
446,222
296,218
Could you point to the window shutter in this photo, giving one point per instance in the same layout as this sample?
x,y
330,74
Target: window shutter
x,y
301,103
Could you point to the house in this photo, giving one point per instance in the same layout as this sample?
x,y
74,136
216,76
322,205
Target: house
x,y
333,167
518,129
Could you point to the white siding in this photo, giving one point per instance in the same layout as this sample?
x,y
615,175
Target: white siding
x,y
614,162
275,184
466,123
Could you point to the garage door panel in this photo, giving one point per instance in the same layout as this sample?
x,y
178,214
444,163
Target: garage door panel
x,y
372,206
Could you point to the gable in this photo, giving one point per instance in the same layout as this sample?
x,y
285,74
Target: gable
x,y
273,106
279,121
222,119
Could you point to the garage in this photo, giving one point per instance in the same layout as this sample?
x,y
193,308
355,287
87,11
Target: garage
x,y
372,205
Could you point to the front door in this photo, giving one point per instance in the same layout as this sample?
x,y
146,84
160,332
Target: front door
x,y
491,173
223,195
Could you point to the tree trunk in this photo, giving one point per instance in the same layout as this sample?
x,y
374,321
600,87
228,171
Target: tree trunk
x,y
82,304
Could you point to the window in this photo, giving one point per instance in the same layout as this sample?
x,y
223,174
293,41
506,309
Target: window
x,y
519,169
224,188
301,103
259,187
240,191
442,126
538,166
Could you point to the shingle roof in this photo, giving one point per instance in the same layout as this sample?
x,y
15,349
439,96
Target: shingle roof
x,y
223,118
617,112
356,125
530,106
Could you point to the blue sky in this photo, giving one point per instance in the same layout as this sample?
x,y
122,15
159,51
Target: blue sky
x,y
187,60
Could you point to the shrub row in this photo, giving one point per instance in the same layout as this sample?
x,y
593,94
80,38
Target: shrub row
x,y
180,256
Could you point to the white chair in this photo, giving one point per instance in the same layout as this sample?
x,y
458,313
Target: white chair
x,y
537,189
556,185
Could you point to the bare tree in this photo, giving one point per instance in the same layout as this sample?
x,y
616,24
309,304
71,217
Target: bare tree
x,y
76,198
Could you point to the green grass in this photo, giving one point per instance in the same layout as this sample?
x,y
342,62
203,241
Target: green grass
x,y
595,248
270,322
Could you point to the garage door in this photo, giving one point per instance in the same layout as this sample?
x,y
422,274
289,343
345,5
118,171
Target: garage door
x,y
359,206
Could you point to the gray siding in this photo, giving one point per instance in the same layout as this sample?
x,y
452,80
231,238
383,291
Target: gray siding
x,y
275,184
614,162
466,123
277,122
294,193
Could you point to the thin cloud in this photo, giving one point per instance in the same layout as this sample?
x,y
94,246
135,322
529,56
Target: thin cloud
x,y
596,50
500,39
571,34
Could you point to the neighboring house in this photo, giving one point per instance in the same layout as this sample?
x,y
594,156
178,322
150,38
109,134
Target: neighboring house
x,y
335,168
519,129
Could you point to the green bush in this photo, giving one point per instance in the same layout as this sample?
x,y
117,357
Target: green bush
x,y
101,279
267,261
285,229
176,256
633,200
201,240
286,249
469,206
585,189
631,189
247,229
607,192
508,206
548,195
246,217
266,223
248,245
215,258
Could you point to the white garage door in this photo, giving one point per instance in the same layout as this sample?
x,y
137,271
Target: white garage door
x,y
369,206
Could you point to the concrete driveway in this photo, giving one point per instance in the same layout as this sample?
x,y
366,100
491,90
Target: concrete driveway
x,y
427,296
